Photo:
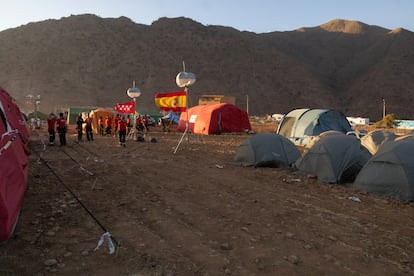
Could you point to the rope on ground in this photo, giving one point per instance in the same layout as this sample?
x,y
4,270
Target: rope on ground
x,y
112,242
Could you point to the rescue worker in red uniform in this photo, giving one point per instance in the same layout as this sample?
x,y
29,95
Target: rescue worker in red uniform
x,y
122,129
61,127
116,121
140,123
88,128
108,125
101,126
51,124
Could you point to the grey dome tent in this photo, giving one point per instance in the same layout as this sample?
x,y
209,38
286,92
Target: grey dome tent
x,y
334,158
267,150
373,140
300,124
390,172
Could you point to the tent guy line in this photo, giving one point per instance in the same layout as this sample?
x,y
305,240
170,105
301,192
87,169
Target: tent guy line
x,y
67,187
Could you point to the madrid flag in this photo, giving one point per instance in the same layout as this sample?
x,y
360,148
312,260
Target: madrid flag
x,y
125,108
173,101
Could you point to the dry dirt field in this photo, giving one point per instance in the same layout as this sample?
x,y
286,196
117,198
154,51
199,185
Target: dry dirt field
x,y
195,213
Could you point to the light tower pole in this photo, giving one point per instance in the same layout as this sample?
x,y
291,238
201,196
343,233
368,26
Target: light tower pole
x,y
134,93
184,80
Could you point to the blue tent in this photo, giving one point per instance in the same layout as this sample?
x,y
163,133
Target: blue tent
x,y
171,116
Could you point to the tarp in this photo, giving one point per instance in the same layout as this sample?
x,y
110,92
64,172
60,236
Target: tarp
x,y
334,158
215,119
301,124
14,163
171,117
373,140
404,124
267,150
390,172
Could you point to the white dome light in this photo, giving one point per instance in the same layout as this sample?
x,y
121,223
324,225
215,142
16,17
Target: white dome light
x,y
185,79
133,92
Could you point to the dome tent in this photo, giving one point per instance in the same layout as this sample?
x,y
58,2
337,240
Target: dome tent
x,y
373,140
390,172
301,125
267,150
334,158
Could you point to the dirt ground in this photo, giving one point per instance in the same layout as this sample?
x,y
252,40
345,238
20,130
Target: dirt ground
x,y
195,213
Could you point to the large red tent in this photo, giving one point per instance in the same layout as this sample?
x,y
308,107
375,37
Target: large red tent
x,y
14,152
215,119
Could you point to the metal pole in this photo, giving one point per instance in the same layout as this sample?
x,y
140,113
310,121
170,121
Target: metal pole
x,y
36,103
35,110
247,104
134,123
186,122
383,108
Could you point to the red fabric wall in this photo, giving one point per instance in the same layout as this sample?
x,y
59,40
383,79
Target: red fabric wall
x,y
215,119
13,164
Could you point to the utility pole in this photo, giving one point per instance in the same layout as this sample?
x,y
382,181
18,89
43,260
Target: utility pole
x,y
247,104
36,103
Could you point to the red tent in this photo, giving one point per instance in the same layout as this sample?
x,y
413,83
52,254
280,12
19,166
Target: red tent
x,y
14,163
215,119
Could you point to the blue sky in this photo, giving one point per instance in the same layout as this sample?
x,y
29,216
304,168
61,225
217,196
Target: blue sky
x,y
257,16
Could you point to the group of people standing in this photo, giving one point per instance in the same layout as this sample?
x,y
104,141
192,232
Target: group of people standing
x,y
105,127
61,126
121,124
88,127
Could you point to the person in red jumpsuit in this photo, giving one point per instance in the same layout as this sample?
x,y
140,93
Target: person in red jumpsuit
x,y
51,124
88,128
122,129
61,127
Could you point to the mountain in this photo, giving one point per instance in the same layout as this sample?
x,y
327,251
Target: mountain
x,y
85,60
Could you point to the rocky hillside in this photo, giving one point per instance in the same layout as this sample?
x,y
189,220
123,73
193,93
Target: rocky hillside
x,y
86,60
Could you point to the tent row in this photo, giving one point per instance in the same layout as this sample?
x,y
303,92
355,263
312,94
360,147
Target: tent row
x,y
379,163
333,156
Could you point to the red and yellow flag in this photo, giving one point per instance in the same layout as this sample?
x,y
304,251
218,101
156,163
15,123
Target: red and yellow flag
x,y
173,101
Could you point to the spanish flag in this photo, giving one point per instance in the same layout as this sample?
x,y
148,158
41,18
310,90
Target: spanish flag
x,y
173,101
